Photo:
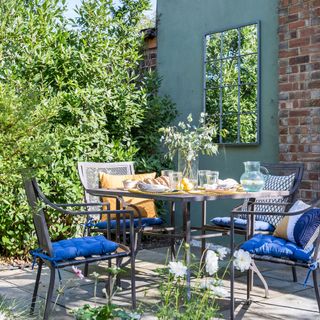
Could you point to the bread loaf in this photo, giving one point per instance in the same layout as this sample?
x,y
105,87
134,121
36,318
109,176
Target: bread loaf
x,y
147,180
164,180
158,181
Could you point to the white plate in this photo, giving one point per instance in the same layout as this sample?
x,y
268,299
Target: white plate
x,y
151,187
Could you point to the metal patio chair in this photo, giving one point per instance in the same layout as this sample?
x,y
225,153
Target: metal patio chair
x,y
75,251
292,255
89,176
264,223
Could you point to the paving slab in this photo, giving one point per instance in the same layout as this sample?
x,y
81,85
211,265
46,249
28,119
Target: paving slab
x,y
288,300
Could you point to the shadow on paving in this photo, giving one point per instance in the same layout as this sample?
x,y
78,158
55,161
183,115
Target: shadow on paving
x,y
288,300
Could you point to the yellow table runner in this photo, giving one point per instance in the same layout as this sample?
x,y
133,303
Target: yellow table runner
x,y
195,192
215,192
164,192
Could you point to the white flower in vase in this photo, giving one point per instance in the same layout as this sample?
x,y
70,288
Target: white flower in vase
x,y
189,141
212,262
242,260
178,269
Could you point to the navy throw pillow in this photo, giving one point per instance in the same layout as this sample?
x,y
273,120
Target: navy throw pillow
x,y
306,229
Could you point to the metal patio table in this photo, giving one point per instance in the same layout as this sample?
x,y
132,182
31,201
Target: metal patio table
x,y
185,199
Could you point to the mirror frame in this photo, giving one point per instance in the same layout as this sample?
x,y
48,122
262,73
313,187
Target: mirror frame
x,y
258,100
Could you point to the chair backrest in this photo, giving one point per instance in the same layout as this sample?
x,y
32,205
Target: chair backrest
x,y
89,174
281,169
39,220
286,169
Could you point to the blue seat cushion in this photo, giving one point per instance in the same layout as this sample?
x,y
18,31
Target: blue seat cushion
x,y
145,222
277,247
242,224
82,247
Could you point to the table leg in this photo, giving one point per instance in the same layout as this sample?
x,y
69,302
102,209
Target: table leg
x,y
231,268
203,222
187,230
173,225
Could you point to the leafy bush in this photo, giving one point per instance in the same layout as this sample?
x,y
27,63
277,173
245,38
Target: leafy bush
x,y
69,92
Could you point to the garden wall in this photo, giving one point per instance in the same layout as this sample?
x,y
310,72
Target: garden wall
x,y
298,57
181,29
150,49
299,89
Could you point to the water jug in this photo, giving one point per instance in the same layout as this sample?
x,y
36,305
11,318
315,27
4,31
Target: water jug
x,y
252,180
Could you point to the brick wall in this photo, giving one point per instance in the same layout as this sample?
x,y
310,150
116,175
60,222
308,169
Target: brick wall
x,y
150,49
299,89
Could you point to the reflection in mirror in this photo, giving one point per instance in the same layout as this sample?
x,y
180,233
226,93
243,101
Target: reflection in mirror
x,y
232,83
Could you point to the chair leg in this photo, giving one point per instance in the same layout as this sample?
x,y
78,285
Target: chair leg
x,y
86,269
109,289
49,294
258,273
118,264
133,283
316,287
251,280
294,274
36,286
249,284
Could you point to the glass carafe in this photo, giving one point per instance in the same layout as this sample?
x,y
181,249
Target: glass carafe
x,y
252,180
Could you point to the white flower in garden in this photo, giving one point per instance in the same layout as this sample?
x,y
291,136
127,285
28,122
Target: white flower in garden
x,y
211,262
134,315
182,125
189,118
78,272
206,283
178,269
3,316
219,291
222,252
242,260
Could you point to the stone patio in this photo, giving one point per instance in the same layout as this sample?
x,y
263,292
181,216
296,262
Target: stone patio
x,y
287,300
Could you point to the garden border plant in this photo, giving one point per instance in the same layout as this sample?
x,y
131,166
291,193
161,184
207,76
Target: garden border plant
x,y
70,90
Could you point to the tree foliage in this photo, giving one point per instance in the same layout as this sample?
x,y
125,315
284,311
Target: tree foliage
x,y
69,92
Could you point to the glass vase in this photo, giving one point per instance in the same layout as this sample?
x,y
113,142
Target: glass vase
x,y
189,168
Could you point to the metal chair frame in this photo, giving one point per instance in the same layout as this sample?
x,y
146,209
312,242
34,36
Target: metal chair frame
x,y
273,168
115,168
266,258
39,204
278,169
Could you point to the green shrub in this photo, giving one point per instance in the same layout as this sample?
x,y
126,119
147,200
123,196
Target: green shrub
x,y
70,91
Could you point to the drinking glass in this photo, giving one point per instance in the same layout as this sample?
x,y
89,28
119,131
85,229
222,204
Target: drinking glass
x,y
175,180
212,177
202,178
166,172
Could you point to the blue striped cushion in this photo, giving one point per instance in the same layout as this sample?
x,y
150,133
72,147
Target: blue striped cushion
x,y
307,228
242,224
277,247
82,247
145,222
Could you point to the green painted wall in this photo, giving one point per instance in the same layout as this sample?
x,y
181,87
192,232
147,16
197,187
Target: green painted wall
x,y
181,28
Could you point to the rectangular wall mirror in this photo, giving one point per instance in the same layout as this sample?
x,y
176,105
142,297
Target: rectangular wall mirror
x,y
232,83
